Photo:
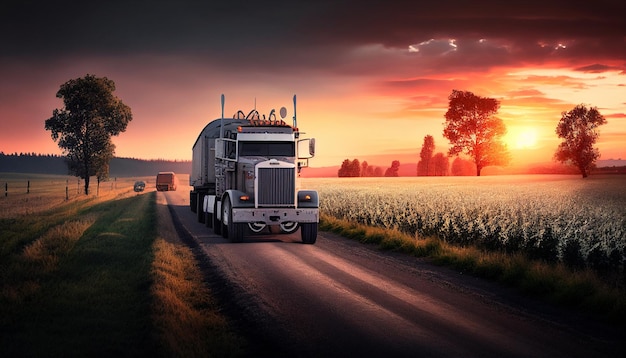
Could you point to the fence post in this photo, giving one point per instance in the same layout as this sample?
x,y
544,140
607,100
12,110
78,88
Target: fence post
x,y
67,192
6,189
28,187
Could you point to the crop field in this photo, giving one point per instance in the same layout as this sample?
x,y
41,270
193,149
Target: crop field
x,y
581,223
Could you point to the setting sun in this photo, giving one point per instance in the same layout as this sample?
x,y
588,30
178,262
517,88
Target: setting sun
x,y
526,138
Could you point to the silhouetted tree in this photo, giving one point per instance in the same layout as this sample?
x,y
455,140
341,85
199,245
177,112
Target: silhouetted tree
x,y
350,168
440,164
473,129
426,154
462,167
344,169
393,170
579,129
355,168
83,128
364,168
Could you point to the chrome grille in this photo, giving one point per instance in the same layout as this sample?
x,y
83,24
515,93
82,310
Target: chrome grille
x,y
276,187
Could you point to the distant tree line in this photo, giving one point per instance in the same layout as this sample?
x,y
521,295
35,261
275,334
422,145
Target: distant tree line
x,y
33,163
354,168
439,164
56,164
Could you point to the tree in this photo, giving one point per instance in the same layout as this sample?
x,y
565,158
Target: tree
x,y
579,129
393,170
344,169
364,168
462,167
440,164
350,168
472,129
83,128
426,154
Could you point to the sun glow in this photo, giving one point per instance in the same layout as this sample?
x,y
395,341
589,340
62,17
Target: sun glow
x,y
525,138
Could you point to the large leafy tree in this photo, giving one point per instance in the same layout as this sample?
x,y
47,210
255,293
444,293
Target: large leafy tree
x,y
579,129
84,126
473,129
424,166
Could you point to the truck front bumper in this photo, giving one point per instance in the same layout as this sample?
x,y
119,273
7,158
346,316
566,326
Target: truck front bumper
x,y
272,216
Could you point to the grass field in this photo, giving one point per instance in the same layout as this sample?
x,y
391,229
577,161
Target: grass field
x,y
23,194
101,276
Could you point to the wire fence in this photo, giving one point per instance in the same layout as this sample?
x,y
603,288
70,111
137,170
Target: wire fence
x,y
23,194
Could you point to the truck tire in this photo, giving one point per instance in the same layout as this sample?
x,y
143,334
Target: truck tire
x,y
308,231
235,231
199,210
217,224
208,220
192,201
225,217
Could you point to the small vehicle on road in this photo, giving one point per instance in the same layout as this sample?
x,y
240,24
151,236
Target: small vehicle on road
x,y
139,186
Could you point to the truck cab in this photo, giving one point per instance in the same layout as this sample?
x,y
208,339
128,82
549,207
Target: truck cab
x,y
245,173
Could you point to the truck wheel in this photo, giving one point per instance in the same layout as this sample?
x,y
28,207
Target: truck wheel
x,y
225,216
199,209
217,224
308,232
235,230
192,201
208,219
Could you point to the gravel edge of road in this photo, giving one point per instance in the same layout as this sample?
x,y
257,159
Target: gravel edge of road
x,y
239,314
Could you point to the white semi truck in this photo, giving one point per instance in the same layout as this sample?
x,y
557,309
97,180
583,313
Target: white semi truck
x,y
245,172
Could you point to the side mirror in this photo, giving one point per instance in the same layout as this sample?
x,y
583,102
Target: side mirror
x,y
302,148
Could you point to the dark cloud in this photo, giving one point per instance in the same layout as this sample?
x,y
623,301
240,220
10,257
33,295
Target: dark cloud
x,y
596,68
284,34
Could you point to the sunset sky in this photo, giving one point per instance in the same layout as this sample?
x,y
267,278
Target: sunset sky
x,y
372,77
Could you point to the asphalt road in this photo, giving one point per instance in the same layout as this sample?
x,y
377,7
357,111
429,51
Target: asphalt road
x,y
342,298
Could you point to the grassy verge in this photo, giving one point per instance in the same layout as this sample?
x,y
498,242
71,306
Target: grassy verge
x,y
96,279
187,319
583,290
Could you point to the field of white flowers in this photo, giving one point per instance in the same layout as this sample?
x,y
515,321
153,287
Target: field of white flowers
x,y
581,222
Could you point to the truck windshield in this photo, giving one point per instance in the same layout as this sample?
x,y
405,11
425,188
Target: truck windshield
x,y
267,149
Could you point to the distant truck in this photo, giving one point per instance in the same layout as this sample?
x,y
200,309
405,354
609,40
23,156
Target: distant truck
x,y
166,181
244,176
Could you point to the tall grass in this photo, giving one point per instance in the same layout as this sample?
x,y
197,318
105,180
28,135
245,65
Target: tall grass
x,y
97,299
93,277
186,317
